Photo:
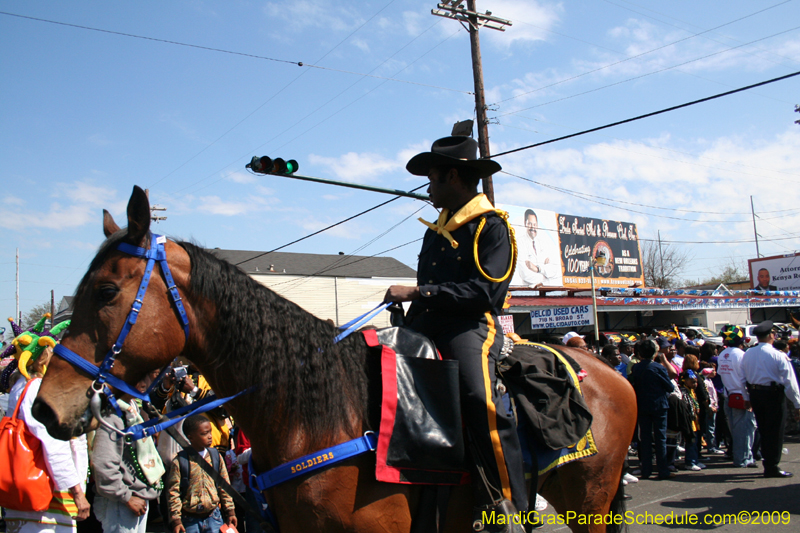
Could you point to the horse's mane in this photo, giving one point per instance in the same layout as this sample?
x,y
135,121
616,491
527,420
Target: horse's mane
x,y
306,382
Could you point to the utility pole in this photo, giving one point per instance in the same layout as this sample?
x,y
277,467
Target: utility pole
x,y
755,232
661,252
16,314
52,306
454,9
154,208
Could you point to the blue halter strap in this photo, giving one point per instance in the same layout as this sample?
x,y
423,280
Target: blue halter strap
x,y
102,374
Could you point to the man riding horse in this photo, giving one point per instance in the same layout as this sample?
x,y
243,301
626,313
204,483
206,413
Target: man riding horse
x,y
463,275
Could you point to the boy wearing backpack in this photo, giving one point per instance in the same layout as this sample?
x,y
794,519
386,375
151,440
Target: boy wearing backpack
x,y
193,496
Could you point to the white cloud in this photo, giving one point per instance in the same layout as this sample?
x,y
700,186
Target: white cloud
x,y
214,205
301,14
241,177
352,230
645,50
530,20
413,22
360,43
354,166
73,205
715,180
82,245
98,139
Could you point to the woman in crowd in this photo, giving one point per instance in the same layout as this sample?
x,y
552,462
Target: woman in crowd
x,y
67,463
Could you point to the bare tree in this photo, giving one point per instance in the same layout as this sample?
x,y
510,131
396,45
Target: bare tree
x,y
29,318
662,265
734,271
34,314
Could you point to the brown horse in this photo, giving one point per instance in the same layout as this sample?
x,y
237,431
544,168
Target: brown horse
x,y
312,393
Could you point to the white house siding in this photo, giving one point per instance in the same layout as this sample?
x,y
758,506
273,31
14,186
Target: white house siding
x,y
320,295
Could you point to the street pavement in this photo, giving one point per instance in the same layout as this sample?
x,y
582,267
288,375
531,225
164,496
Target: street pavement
x,y
718,490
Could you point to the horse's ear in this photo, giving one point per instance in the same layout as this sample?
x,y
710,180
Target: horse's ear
x,y
109,226
138,216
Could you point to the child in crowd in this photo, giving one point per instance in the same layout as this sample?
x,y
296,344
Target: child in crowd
x,y
127,474
194,498
689,390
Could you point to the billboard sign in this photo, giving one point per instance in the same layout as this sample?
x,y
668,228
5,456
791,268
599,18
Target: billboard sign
x,y
567,316
555,250
776,273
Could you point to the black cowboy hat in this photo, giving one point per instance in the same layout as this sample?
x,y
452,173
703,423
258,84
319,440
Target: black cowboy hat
x,y
452,152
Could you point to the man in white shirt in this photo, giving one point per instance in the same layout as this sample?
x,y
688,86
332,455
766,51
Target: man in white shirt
x,y
770,377
538,263
740,416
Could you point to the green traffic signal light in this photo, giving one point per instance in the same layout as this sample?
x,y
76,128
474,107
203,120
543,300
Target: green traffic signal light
x,y
265,165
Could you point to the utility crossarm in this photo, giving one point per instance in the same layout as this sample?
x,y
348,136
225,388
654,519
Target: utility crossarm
x,y
456,12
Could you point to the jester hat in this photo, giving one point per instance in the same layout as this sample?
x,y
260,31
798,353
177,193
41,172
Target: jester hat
x,y
732,335
28,345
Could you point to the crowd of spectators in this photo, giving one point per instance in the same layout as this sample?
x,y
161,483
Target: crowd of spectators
x,y
694,398
106,482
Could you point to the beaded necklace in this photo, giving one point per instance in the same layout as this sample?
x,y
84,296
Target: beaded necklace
x,y
139,473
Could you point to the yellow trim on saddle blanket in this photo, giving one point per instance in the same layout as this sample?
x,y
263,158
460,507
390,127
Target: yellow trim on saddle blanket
x,y
586,446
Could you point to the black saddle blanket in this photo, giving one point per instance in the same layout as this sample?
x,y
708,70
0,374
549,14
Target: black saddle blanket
x,y
546,396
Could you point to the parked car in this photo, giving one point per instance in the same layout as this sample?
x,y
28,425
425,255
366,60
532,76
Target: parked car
x,y
702,333
787,328
617,336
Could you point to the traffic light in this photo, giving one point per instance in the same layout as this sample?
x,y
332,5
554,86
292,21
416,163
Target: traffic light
x,y
265,165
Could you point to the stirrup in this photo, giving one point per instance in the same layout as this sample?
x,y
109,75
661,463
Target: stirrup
x,y
501,517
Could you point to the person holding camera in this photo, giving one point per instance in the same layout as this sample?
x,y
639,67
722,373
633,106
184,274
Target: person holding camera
x,y
183,385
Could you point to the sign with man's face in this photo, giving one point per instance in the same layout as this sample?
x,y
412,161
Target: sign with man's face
x,y
776,273
556,250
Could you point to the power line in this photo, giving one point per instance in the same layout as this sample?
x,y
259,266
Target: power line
x,y
744,241
315,110
340,263
647,115
687,23
326,54
651,147
649,52
593,199
590,198
221,50
646,74
327,228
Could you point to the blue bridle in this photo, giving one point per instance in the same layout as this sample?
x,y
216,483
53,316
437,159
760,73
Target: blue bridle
x,y
102,374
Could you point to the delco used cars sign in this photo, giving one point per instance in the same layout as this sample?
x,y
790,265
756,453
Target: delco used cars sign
x,y
568,316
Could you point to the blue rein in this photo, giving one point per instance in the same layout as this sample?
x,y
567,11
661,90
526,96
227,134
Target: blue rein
x,y
102,374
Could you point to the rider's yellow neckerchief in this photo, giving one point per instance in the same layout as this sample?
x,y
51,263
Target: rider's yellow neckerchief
x,y
479,205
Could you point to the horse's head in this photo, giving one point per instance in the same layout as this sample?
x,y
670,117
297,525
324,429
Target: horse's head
x,y
100,309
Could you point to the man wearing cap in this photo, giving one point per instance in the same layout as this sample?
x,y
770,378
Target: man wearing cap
x,y
652,385
735,401
463,274
769,377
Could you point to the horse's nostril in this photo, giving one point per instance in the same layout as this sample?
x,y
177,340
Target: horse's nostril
x,y
45,414
42,412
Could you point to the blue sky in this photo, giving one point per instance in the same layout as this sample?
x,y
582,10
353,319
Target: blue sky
x,y
87,114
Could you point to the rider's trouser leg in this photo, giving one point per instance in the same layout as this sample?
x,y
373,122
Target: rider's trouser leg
x,y
476,345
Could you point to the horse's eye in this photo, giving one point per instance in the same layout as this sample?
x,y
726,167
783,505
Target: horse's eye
x,y
106,294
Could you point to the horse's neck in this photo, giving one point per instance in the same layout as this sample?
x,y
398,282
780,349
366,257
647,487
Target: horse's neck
x,y
271,446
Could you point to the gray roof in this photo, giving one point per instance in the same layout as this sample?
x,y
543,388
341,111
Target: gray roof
x,y
352,266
